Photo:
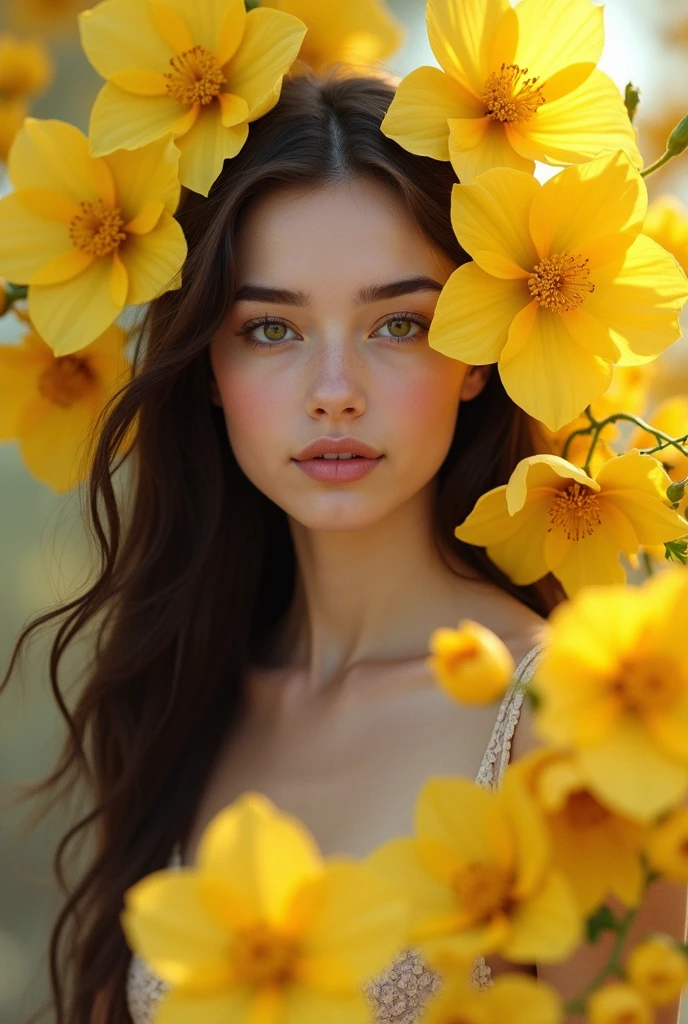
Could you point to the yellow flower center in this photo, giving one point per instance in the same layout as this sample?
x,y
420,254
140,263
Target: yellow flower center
x,y
576,511
648,685
481,890
561,282
510,96
196,77
98,228
67,381
583,811
264,957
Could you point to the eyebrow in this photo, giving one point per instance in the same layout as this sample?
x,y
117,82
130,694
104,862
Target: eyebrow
x,y
367,295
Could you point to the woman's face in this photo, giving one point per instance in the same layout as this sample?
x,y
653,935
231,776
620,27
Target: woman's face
x,y
326,343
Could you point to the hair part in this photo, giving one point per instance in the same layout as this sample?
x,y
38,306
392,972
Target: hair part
x,y
201,565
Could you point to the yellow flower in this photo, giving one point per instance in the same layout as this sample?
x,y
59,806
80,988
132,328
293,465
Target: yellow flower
x,y
352,31
667,846
25,67
552,517
199,70
479,877
667,223
562,286
618,1003
264,926
597,849
658,969
88,235
12,114
470,663
50,404
517,85
613,685
512,998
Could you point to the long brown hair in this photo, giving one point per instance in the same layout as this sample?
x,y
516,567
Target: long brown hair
x,y
200,564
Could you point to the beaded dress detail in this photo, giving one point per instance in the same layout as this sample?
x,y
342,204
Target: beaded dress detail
x,y
400,993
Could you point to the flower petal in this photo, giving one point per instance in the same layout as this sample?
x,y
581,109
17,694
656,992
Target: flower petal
x,y
558,544
63,267
20,368
582,124
54,155
73,314
217,25
269,47
542,471
230,1004
119,34
147,175
554,34
546,373
595,210
490,218
266,854
48,203
307,1005
462,34
205,148
456,813
234,109
473,315
493,151
639,300
419,113
153,260
120,120
593,559
489,521
590,333
521,557
547,927
56,442
653,522
398,862
27,242
145,221
139,82
632,775
171,25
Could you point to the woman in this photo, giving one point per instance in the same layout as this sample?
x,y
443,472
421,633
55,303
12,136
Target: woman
x,y
301,460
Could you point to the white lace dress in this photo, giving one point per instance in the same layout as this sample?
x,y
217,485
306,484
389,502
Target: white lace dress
x,y
399,994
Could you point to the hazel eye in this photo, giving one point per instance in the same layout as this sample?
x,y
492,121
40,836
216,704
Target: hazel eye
x,y
402,328
275,331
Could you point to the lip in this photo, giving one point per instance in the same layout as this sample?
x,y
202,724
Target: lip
x,y
310,460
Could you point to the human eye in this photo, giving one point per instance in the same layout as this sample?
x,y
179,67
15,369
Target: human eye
x,y
268,332
401,327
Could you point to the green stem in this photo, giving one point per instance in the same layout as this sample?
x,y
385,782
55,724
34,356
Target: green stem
x,y
597,426
664,159
647,564
613,967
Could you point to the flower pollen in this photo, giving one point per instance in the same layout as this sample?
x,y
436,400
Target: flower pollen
x,y
263,956
98,228
509,96
575,510
196,77
561,282
481,890
67,381
648,685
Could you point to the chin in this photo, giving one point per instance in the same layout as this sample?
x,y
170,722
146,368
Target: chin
x,y
340,512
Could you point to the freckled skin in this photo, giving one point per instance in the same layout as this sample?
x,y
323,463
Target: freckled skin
x,y
401,398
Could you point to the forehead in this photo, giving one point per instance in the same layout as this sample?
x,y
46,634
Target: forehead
x,y
334,237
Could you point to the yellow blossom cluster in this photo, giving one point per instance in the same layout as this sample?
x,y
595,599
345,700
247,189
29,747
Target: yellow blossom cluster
x,y
25,72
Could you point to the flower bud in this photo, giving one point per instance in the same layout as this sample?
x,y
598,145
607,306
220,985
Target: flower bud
x,y
470,663
678,140
676,491
658,969
618,1004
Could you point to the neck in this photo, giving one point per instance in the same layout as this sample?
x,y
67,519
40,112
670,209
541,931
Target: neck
x,y
371,594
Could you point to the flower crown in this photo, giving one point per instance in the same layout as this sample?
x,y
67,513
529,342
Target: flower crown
x,y
563,286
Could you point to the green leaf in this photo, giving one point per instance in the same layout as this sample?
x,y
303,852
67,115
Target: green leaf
x,y
676,551
603,920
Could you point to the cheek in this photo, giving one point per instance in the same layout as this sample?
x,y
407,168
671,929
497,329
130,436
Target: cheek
x,y
255,409
425,407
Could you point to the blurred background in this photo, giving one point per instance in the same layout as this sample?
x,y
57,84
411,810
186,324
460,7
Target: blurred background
x,y
43,551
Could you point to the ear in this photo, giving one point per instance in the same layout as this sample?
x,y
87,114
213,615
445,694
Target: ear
x,y
215,396
474,382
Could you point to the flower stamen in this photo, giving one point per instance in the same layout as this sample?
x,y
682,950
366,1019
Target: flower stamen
x,y
98,228
481,890
196,77
561,282
67,381
263,956
509,96
575,510
648,685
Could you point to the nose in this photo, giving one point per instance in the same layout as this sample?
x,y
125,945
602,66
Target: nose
x,y
337,391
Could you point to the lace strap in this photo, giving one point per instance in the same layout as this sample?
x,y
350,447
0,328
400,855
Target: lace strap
x,y
498,752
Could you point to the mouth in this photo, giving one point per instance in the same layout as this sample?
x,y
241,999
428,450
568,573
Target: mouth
x,y
338,460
